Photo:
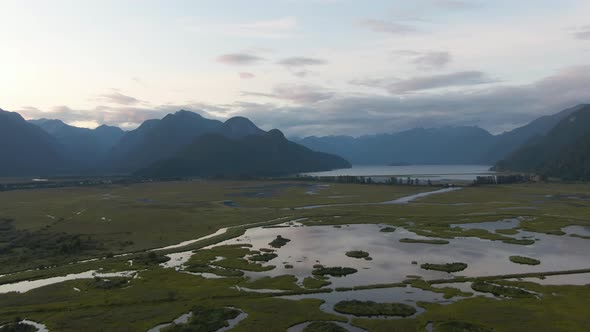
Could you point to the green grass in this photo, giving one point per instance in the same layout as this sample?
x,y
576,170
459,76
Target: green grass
x,y
205,319
324,327
263,257
370,308
524,260
447,267
314,283
499,290
387,229
459,326
284,282
186,210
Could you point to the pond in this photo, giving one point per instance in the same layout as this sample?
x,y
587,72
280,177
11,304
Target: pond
x,y
392,260
422,172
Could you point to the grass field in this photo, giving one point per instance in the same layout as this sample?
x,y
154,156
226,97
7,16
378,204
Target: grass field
x,y
58,226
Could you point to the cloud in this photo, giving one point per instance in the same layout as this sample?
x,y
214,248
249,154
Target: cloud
x,y
387,26
238,59
496,108
301,61
317,111
420,83
582,33
456,4
299,94
126,117
118,98
374,82
245,75
427,60
432,60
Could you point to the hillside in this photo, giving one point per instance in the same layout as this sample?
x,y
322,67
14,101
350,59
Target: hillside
x,y
563,152
446,145
156,140
86,146
267,154
26,149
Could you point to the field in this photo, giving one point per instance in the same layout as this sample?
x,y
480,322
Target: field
x,y
48,233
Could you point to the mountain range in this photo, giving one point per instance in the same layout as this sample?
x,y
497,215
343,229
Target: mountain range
x,y
563,152
158,147
187,144
445,145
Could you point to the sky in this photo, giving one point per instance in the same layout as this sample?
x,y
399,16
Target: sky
x,y
307,67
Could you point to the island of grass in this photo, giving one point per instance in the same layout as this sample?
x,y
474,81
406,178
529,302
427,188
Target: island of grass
x,y
524,260
205,319
263,257
315,283
334,271
522,242
370,308
324,327
205,268
357,254
499,290
425,241
454,326
448,267
387,229
279,242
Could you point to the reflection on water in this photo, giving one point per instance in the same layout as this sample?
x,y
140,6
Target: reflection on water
x,y
422,172
579,230
401,200
579,279
25,286
392,260
492,226
183,319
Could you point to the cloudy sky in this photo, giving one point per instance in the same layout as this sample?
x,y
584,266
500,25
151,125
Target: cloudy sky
x,y
307,67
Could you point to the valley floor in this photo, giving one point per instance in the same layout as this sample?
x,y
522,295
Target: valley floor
x,y
253,255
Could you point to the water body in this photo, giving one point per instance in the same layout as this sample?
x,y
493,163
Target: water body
x,y
25,286
422,172
578,230
492,226
401,200
347,326
392,260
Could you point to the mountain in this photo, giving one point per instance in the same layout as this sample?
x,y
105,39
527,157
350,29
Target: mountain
x,y
563,152
26,149
86,146
268,153
510,141
156,140
447,145
238,127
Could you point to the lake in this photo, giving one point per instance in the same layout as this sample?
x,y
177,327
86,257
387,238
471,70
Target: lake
x,y
422,172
